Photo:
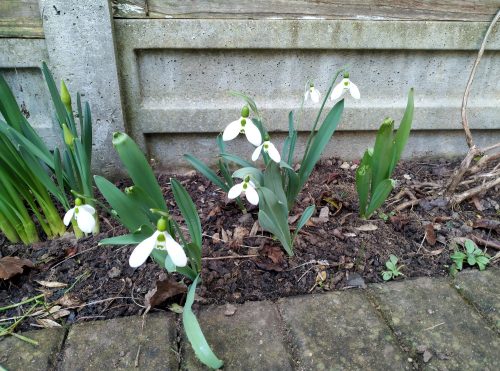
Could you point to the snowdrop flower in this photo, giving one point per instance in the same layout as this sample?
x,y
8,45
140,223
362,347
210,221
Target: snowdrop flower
x,y
312,93
160,240
343,86
245,126
248,188
83,214
268,148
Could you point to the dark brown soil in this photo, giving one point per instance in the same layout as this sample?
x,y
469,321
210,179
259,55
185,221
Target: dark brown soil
x,y
335,253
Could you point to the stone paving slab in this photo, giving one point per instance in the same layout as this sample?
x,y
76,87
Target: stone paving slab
x,y
340,331
251,339
482,289
429,315
18,355
113,344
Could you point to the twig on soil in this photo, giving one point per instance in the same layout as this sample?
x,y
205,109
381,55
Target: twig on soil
x,y
433,327
407,204
474,191
486,243
231,257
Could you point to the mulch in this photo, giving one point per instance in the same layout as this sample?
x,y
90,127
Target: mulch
x,y
336,251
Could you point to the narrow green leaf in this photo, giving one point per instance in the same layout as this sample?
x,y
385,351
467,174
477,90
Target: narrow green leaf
x,y
320,141
237,160
207,172
380,195
306,215
138,167
194,333
382,153
273,181
255,174
188,211
363,179
129,239
54,94
403,132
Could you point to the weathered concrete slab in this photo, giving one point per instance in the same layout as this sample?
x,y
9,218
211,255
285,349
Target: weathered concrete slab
x,y
114,345
251,339
482,289
429,315
17,355
340,331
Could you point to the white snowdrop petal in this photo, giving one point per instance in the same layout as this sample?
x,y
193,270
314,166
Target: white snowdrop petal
x,y
252,133
306,95
252,195
256,153
235,191
87,208
142,251
337,91
175,251
68,216
353,89
232,130
85,220
315,95
273,153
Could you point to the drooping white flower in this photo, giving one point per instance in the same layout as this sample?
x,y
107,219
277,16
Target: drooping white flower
x,y
160,240
83,214
248,188
345,85
313,94
268,148
245,126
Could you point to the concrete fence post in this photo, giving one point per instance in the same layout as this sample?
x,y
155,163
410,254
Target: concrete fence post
x,y
81,49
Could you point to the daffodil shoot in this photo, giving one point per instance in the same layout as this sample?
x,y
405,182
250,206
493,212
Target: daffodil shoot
x,y
243,125
160,240
83,215
345,85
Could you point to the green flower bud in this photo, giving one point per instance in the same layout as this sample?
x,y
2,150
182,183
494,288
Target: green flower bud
x,y
161,225
78,201
68,137
346,75
65,97
245,111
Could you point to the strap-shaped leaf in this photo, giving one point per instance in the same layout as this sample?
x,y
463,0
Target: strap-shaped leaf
x,y
207,172
273,181
138,167
382,153
129,239
254,173
320,141
236,159
363,179
188,211
54,94
194,333
380,195
128,214
306,215
403,132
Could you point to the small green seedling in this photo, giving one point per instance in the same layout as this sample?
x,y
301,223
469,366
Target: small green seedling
x,y
393,270
473,255
385,217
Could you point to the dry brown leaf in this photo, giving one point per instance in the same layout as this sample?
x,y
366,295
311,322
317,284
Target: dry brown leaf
x,y
486,224
367,227
69,300
164,289
254,230
435,252
52,284
47,323
61,313
323,216
238,235
12,265
224,236
430,234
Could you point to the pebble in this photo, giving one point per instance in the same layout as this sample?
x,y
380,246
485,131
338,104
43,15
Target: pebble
x,y
114,272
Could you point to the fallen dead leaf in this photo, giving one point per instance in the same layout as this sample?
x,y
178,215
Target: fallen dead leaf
x,y
367,227
52,284
398,222
430,234
12,265
224,236
47,323
274,253
238,235
164,289
254,230
350,234
323,215
61,313
215,211
486,224
230,310
69,300
435,252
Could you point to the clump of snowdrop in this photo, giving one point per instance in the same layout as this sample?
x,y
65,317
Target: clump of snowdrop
x,y
243,125
83,215
160,240
345,85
